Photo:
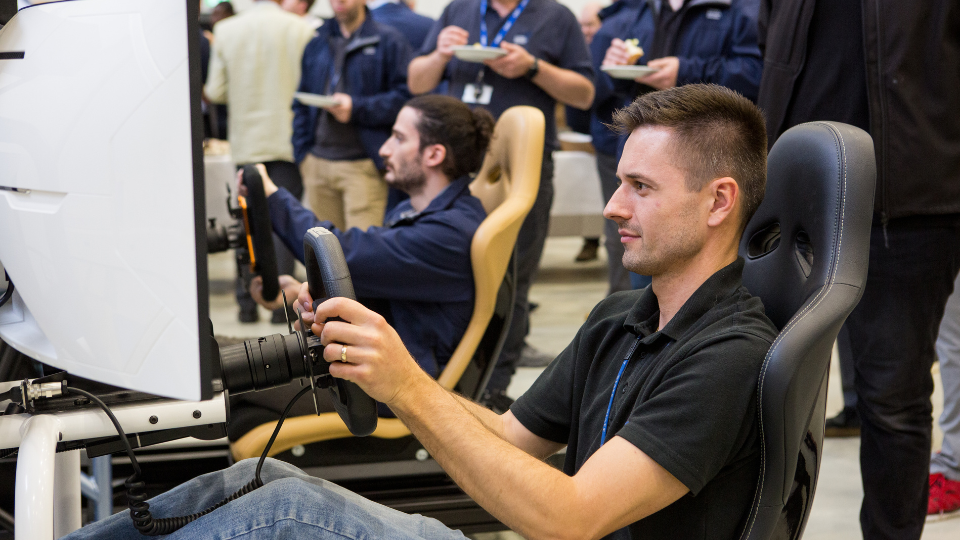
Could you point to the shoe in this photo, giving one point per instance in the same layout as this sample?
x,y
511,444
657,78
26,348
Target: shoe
x,y
531,357
249,315
944,501
845,424
589,250
496,400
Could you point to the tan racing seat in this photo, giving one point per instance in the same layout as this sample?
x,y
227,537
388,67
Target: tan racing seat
x,y
506,185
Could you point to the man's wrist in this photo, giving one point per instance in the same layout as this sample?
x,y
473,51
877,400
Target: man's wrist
x,y
412,392
534,69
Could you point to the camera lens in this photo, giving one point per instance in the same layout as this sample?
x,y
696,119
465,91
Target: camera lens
x,y
257,364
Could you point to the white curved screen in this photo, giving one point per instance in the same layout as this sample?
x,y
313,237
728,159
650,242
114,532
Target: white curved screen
x,y
98,226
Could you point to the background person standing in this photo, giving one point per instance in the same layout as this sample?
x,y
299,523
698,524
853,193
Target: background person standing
x,y
254,69
361,64
893,69
547,61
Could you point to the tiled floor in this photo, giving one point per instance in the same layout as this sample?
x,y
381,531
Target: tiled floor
x,y
566,291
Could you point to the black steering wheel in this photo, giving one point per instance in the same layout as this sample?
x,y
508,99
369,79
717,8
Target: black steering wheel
x,y
263,258
327,277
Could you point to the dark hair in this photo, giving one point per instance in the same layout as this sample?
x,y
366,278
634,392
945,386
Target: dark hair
x,y
717,133
465,133
226,8
309,4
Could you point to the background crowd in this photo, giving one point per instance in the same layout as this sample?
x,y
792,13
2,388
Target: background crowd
x,y
890,68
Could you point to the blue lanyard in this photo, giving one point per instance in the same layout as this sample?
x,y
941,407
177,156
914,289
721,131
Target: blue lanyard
x,y
616,384
503,29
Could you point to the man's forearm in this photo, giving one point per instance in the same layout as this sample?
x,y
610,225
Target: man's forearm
x,y
525,493
566,86
489,419
425,72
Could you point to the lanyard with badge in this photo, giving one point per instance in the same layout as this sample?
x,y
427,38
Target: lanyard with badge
x,y
616,384
478,92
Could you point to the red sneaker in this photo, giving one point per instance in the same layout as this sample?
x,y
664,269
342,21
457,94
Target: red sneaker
x,y
944,501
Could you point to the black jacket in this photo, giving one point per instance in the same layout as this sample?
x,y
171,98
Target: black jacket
x,y
912,52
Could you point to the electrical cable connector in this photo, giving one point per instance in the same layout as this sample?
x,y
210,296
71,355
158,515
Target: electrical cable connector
x,y
29,391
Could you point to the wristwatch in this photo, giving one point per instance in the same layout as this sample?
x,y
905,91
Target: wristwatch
x,y
534,69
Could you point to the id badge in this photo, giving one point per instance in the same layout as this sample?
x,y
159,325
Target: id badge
x,y
480,95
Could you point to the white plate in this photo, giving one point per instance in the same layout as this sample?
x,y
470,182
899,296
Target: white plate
x,y
469,53
628,72
316,100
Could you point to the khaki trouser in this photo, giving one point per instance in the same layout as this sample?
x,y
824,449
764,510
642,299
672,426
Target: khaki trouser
x,y
347,193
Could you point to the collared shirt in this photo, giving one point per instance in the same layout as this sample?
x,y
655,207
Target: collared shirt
x,y
546,29
686,398
335,140
415,271
255,69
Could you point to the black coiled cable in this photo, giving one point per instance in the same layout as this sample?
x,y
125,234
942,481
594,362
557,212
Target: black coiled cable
x,y
137,497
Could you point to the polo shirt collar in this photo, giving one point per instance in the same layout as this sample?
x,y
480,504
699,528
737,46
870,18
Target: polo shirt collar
x,y
442,201
644,316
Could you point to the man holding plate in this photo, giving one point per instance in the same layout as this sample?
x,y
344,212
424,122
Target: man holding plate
x,y
646,46
354,84
498,54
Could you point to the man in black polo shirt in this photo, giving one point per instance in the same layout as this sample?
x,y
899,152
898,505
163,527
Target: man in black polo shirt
x,y
547,61
655,398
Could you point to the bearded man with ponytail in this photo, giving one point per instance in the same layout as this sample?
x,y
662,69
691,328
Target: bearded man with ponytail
x,y
415,270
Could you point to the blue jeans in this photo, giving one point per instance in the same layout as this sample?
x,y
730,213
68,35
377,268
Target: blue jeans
x,y
291,504
947,460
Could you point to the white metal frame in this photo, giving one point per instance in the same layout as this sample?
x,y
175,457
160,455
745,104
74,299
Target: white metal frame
x,y
48,484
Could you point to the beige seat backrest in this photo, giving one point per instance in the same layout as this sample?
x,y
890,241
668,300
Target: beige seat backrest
x,y
507,186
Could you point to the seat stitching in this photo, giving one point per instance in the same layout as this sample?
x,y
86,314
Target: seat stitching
x,y
793,322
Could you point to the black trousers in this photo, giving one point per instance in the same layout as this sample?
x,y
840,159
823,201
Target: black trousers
x,y
892,331
530,241
286,175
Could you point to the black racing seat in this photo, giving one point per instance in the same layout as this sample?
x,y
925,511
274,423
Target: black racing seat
x,y
806,252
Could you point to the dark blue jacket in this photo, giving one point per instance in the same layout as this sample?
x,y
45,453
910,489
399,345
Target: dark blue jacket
x,y
717,44
375,71
413,26
415,270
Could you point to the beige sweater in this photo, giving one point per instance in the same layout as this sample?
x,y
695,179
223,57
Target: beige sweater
x,y
255,69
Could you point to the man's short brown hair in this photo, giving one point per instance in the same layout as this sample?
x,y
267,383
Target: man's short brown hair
x,y
717,132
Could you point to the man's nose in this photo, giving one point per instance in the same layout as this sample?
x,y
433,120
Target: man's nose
x,y
616,207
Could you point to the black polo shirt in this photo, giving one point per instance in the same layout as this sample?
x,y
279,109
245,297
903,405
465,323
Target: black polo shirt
x,y
546,29
686,398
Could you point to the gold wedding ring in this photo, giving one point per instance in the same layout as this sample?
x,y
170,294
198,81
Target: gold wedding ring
x,y
343,354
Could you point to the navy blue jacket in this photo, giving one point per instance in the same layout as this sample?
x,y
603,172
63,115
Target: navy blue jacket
x,y
415,270
413,26
717,44
376,74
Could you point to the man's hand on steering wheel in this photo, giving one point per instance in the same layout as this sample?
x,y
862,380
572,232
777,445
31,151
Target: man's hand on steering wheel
x,y
376,358
288,284
269,188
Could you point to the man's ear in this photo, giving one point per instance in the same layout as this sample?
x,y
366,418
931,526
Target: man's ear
x,y
434,155
725,193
